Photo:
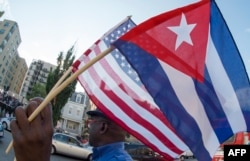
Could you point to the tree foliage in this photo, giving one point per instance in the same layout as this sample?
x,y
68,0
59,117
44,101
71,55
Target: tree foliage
x,y
38,90
61,99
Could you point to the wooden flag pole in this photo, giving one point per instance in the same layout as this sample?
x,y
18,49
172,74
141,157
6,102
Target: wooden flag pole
x,y
57,90
62,78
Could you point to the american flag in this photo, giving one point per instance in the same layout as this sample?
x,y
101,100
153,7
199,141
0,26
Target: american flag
x,y
116,89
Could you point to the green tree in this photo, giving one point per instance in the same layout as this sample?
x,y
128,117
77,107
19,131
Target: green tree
x,y
61,99
38,90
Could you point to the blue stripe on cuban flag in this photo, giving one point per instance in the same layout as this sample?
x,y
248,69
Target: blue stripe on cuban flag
x,y
234,68
207,113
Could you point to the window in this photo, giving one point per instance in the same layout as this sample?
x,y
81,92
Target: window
x,y
6,24
78,112
73,141
70,110
60,137
2,31
4,42
78,98
3,71
13,29
8,36
2,46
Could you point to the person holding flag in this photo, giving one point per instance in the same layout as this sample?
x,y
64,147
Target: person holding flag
x,y
176,81
32,141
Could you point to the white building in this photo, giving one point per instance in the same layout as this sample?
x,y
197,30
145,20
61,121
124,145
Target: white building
x,y
37,73
12,66
74,113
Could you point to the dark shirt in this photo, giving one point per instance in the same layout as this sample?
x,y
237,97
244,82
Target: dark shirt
x,y
111,152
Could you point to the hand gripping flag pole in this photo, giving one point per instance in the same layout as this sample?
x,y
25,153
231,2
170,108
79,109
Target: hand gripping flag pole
x,y
61,85
55,86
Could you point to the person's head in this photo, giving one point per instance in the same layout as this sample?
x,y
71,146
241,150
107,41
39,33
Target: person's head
x,y
102,130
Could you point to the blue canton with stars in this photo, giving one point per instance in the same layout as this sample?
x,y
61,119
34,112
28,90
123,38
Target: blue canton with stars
x,y
121,60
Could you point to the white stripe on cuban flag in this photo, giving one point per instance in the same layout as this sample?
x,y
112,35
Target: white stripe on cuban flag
x,y
181,81
224,89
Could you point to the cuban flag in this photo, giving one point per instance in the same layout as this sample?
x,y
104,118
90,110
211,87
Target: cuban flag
x,y
190,65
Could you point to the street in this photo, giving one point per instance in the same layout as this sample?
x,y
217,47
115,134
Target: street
x,y
4,142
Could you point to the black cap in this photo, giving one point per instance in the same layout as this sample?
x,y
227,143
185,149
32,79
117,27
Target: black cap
x,y
96,112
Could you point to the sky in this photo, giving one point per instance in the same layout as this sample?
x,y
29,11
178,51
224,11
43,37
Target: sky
x,y
49,27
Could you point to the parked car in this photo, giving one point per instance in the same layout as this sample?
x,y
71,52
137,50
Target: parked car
x,y
6,122
70,146
141,152
1,131
187,155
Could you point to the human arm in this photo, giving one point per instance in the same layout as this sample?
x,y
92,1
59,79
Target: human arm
x,y
32,140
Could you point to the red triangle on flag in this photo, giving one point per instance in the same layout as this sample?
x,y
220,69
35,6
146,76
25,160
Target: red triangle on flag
x,y
165,38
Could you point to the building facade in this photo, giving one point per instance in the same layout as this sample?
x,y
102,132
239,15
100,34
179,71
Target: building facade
x,y
73,116
37,73
12,66
19,75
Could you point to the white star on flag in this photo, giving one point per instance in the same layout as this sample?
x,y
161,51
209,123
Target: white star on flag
x,y
183,32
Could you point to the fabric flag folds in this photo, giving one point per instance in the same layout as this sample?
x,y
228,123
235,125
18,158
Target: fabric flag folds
x,y
116,89
189,63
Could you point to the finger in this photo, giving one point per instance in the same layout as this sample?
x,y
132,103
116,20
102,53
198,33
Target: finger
x,y
37,122
45,116
21,118
15,129
39,100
